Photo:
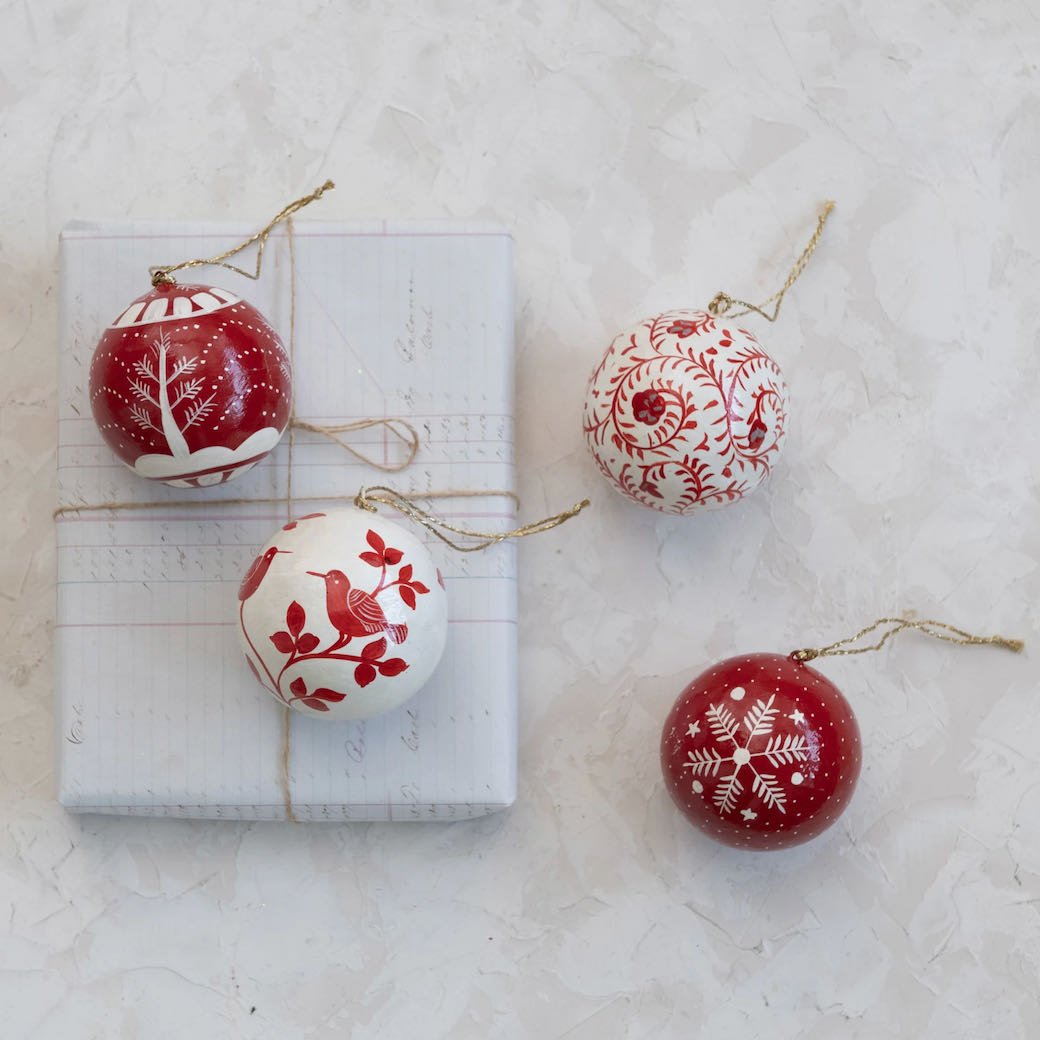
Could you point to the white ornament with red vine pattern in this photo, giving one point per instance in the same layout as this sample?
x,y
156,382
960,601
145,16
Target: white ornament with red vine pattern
x,y
343,615
686,411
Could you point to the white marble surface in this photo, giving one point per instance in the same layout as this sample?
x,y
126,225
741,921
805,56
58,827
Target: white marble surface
x,y
647,154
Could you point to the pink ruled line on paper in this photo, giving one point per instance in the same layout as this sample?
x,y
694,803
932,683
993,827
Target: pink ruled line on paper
x,y
303,465
433,440
234,624
348,418
276,518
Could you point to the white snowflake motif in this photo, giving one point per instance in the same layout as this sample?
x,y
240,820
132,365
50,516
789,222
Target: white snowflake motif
x,y
778,750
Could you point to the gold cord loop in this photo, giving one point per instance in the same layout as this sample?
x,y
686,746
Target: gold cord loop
x,y
722,303
405,505
164,274
935,629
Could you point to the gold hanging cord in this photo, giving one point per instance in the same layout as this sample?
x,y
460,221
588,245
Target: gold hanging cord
x,y
165,274
722,302
935,629
405,505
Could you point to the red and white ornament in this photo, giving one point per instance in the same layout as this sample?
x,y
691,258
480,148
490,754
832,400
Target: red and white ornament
x,y
761,752
685,411
190,385
343,615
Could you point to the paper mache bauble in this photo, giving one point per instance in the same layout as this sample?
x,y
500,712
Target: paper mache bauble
x,y
190,385
685,411
761,752
343,615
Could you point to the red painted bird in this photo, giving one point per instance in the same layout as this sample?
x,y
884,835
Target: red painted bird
x,y
256,572
354,612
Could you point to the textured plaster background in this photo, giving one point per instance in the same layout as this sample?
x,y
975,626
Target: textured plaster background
x,y
646,154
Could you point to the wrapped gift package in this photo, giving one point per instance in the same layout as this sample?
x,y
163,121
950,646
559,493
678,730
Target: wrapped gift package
x,y
157,713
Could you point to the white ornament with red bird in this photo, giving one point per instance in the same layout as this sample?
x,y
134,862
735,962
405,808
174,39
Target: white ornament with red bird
x,y
343,615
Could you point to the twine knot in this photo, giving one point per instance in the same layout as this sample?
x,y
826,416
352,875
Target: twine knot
x,y
362,502
720,303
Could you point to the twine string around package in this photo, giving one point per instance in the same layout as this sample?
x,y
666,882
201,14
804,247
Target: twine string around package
x,y
935,629
722,303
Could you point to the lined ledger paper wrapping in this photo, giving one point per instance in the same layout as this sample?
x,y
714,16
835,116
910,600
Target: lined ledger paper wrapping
x,y
156,712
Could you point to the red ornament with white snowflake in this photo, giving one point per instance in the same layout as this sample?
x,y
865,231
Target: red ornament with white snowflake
x,y
190,385
761,752
686,411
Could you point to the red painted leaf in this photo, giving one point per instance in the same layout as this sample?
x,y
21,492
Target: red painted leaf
x,y
298,687
374,650
393,556
283,642
295,618
440,579
420,587
364,674
392,667
307,642
313,702
375,541
291,525
373,558
406,573
329,695
408,595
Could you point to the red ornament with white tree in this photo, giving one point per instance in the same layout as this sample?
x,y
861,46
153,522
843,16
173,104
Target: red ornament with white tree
x,y
190,385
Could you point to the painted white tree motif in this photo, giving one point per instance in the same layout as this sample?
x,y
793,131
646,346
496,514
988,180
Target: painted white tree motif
x,y
158,386
778,750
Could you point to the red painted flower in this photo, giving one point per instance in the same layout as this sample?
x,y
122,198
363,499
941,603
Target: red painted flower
x,y
682,328
648,406
757,434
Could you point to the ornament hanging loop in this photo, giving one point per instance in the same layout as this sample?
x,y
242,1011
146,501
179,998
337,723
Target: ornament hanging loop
x,y
404,504
722,303
935,629
164,275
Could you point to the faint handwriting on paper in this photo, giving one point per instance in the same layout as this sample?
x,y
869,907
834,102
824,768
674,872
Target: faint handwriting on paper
x,y
355,746
411,737
75,733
